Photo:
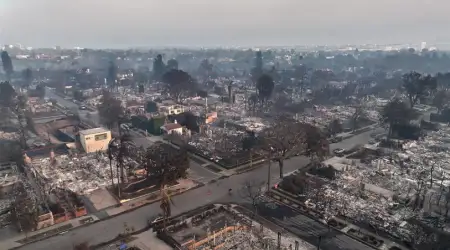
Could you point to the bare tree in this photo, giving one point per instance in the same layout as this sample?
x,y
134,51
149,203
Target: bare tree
x,y
179,84
316,144
165,163
165,205
264,86
110,110
24,209
301,75
252,103
417,86
335,127
120,150
441,99
421,188
252,190
396,112
20,106
358,115
283,140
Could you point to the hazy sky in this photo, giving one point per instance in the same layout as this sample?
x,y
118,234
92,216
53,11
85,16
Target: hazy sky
x,y
120,23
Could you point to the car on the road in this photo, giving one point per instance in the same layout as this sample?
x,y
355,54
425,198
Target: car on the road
x,y
336,139
155,219
374,134
339,151
39,144
83,107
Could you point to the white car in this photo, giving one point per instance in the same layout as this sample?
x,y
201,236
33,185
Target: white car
x,y
339,151
155,219
39,144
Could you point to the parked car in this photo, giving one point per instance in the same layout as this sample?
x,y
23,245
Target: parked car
x,y
39,144
155,219
336,139
339,152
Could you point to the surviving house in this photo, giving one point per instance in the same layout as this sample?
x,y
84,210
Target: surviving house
x,y
171,128
96,139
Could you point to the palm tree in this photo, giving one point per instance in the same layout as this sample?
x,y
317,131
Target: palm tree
x,y
165,205
119,149
111,151
126,150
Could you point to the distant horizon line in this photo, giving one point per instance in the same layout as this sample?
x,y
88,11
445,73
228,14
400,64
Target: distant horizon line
x,y
174,46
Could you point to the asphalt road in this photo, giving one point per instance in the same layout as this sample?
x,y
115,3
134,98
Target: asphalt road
x,y
93,116
360,139
109,229
216,192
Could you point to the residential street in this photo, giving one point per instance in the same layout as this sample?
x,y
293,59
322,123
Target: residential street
x,y
360,139
216,192
72,106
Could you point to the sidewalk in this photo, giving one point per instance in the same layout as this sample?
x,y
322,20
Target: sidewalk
x,y
61,228
347,135
243,168
47,232
183,186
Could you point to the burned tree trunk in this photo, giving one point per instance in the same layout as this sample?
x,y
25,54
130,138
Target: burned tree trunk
x,y
281,165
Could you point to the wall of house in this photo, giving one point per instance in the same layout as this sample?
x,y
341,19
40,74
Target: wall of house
x,y
45,220
80,211
59,218
172,110
176,131
95,142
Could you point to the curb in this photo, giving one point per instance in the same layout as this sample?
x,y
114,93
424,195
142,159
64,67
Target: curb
x,y
104,219
248,169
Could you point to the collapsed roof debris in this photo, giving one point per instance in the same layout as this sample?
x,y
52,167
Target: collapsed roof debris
x,y
81,175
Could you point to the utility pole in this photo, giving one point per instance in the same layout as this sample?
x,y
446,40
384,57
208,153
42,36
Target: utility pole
x,y
251,159
268,170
